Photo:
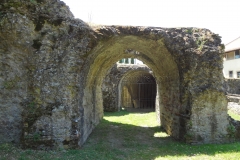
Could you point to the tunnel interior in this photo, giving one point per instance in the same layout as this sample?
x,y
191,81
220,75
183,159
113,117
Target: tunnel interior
x,y
138,90
152,53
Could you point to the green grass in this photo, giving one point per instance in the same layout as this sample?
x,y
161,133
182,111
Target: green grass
x,y
130,136
234,115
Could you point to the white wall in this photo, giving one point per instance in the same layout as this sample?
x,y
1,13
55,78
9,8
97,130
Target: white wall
x,y
138,61
231,65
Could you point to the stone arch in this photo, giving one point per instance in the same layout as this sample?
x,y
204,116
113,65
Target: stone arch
x,y
154,54
111,88
139,88
55,64
188,75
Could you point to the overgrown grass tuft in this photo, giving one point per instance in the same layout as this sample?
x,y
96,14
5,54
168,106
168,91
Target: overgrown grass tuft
x,y
131,136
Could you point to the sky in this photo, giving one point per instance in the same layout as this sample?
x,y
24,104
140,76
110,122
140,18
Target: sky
x,y
220,16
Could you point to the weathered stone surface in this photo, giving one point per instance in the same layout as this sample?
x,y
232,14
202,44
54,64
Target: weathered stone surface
x,y
39,70
232,86
112,84
52,69
234,106
233,98
204,112
234,129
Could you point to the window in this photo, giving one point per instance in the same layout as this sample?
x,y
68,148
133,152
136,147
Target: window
x,y
230,74
238,74
126,60
132,60
237,55
230,55
121,61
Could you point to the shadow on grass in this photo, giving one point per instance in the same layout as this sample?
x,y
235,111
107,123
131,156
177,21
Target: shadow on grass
x,y
115,141
127,111
121,113
111,140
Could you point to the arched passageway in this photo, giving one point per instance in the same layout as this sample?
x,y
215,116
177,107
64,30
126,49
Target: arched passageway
x,y
155,55
51,78
131,81
184,95
138,90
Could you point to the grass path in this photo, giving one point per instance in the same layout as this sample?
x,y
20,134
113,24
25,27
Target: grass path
x,y
131,136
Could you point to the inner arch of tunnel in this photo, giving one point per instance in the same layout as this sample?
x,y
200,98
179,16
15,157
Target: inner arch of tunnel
x,y
137,89
155,55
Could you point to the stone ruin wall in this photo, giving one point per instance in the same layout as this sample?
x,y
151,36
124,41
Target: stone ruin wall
x,y
40,72
52,68
232,86
111,88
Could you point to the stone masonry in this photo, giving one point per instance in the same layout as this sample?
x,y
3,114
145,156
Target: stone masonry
x,y
112,84
53,65
232,86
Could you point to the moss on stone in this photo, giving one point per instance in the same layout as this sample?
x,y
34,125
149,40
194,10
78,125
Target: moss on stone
x,y
11,84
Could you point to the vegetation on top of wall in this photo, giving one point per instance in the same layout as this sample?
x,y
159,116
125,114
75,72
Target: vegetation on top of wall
x,y
189,31
200,43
